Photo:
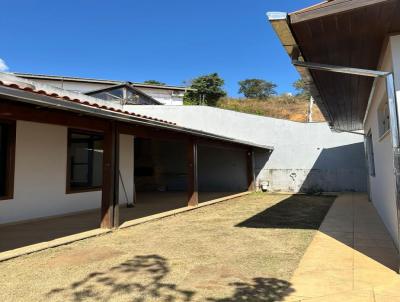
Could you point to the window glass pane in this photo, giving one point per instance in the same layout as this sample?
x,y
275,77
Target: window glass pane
x,y
79,175
86,160
110,95
79,152
97,168
3,159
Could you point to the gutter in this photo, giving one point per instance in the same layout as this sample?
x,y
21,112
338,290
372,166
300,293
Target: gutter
x,y
281,24
49,102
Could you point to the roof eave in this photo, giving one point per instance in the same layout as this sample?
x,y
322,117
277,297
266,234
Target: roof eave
x,y
281,24
97,81
54,103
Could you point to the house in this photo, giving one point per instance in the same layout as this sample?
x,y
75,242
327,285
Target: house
x,y
65,154
167,95
349,54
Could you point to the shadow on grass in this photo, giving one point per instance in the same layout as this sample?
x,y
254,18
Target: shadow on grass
x,y
142,279
262,290
295,212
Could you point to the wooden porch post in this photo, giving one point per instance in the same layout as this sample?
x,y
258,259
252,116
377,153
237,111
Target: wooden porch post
x,y
250,170
110,192
193,194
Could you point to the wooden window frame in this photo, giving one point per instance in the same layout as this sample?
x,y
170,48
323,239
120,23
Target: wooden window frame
x,y
69,189
10,167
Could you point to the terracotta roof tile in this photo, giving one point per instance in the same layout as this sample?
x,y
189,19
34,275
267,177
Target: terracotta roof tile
x,y
83,102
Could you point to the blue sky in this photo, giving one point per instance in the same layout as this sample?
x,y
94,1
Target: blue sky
x,y
170,41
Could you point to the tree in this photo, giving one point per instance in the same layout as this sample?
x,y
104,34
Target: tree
x,y
154,82
207,90
302,88
257,89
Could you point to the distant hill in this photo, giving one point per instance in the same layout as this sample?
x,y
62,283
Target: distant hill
x,y
284,107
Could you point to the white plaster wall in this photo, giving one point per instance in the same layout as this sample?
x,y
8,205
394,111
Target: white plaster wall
x,y
41,175
164,96
306,156
222,170
73,86
382,185
126,167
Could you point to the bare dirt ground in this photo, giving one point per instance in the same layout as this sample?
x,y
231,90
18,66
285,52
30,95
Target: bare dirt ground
x,y
240,250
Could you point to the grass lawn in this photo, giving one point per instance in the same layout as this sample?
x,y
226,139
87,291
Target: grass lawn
x,y
244,249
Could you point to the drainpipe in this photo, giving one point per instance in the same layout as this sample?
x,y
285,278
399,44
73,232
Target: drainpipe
x,y
393,112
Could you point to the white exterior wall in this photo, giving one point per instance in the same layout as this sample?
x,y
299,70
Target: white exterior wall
x,y
73,86
222,170
306,156
164,96
383,184
41,175
126,168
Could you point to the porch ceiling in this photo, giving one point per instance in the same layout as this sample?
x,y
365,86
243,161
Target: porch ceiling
x,y
347,33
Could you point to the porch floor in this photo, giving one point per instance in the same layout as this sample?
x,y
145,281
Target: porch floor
x,y
351,258
23,234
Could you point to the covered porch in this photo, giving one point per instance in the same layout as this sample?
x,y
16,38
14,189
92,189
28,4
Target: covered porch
x,y
18,235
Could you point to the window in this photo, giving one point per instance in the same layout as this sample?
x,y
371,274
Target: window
x,y
177,93
85,161
383,116
124,95
370,153
7,154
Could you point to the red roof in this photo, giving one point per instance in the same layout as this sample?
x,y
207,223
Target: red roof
x,y
66,98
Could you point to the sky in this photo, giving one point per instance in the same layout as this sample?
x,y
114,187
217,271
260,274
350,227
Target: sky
x,y
170,41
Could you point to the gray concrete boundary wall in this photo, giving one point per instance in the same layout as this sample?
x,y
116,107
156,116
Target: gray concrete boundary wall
x,y
308,157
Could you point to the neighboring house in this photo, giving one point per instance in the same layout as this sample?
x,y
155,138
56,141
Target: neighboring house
x,y
167,95
349,54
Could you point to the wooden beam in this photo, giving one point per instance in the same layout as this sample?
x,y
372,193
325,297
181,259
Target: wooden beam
x,y
151,132
251,183
16,111
109,201
193,191
221,144
116,172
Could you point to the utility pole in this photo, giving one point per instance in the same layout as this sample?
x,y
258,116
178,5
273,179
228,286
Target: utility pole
x,y
310,107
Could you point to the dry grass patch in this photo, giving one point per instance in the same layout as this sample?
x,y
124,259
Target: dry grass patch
x,y
240,250
283,107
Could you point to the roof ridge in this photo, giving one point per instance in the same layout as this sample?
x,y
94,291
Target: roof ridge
x,y
9,80
70,78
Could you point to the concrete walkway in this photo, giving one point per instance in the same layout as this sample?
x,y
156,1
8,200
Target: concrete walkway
x,y
352,257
